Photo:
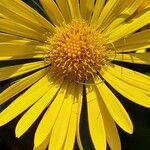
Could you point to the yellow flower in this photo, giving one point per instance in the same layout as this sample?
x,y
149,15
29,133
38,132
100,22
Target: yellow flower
x,y
74,51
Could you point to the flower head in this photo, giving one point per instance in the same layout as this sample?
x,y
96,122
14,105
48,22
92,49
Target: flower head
x,y
74,51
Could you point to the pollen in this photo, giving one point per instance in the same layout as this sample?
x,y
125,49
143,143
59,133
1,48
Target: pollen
x,y
77,51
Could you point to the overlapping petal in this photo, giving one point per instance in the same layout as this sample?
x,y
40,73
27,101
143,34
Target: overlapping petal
x,y
25,34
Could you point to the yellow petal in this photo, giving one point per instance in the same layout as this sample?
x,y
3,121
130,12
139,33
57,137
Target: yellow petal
x,y
62,121
131,77
33,113
86,8
129,27
96,125
70,137
99,4
112,134
16,70
141,50
7,37
17,17
25,100
74,9
78,122
144,5
14,28
72,128
139,40
19,49
43,145
131,73
49,117
135,58
64,8
2,16
132,93
115,108
121,13
19,7
27,56
20,85
107,10
53,11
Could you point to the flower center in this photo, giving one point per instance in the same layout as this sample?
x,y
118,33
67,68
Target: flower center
x,y
77,51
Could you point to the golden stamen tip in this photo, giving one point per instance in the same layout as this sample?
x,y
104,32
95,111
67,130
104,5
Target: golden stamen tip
x,y
77,50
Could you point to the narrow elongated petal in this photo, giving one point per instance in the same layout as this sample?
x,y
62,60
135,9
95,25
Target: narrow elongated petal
x,y
33,113
19,8
8,37
20,85
112,134
96,125
115,108
74,118
26,11
26,56
12,15
43,145
99,4
64,8
86,8
16,70
132,74
14,28
53,11
70,137
49,117
138,40
107,10
78,122
131,26
25,100
74,8
131,77
135,58
20,49
134,94
56,142
121,13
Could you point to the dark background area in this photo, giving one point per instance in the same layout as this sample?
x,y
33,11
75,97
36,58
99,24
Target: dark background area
x,y
140,116
139,140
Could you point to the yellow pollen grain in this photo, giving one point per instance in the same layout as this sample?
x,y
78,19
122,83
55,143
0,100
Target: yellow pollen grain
x,y
77,51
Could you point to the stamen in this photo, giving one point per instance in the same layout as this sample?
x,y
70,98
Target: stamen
x,y
77,51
